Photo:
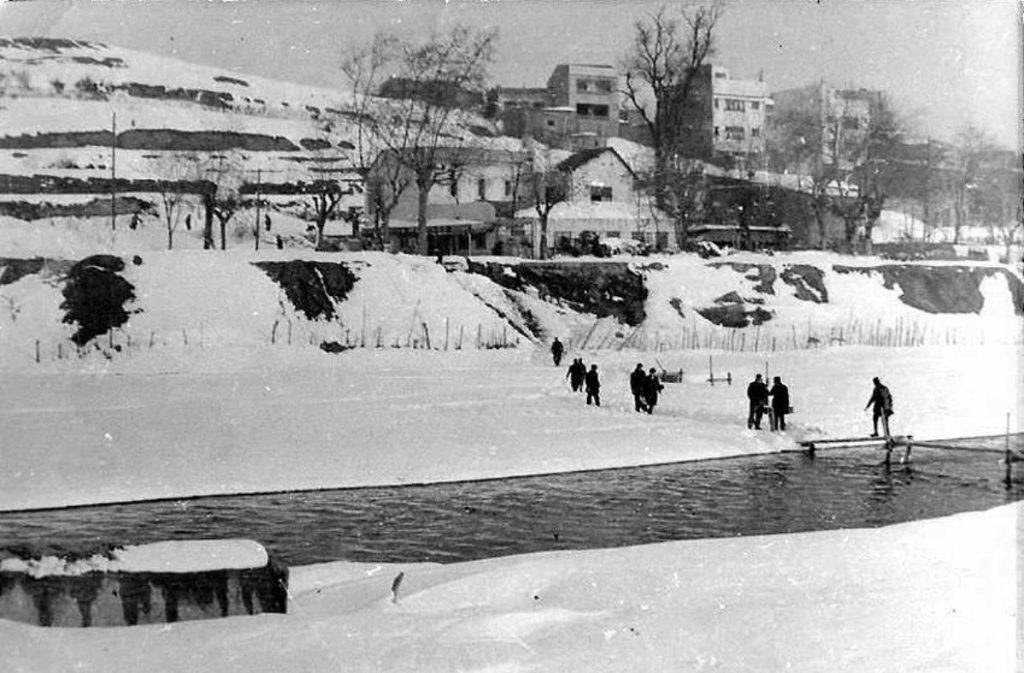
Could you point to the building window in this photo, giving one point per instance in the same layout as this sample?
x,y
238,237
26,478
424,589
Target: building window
x,y
755,105
551,123
481,189
755,132
600,193
589,110
733,105
734,133
716,103
851,123
604,85
611,233
716,132
479,241
508,188
582,85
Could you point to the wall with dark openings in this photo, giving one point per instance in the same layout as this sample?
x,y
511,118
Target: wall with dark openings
x,y
600,288
311,287
941,289
95,296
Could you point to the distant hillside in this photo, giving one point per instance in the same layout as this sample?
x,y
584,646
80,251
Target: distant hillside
x,y
58,99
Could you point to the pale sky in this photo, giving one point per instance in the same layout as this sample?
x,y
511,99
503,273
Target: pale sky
x,y
951,62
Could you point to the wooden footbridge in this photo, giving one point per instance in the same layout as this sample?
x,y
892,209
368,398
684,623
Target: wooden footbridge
x,y
1009,445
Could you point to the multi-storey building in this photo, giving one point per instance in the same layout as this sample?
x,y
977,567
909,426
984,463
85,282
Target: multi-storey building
x,y
843,116
725,118
578,109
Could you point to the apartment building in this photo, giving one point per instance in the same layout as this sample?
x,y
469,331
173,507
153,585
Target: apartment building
x,y
726,118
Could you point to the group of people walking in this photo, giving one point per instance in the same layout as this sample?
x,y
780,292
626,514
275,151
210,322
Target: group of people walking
x,y
646,388
581,378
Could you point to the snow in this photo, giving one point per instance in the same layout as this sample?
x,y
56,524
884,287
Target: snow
x,y
276,418
178,556
935,595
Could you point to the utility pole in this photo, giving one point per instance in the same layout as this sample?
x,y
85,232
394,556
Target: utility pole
x,y
113,170
256,227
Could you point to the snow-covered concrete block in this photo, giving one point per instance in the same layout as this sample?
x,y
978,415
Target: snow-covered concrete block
x,y
161,582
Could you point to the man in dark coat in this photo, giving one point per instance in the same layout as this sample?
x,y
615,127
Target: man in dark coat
x,y
652,387
881,403
593,386
780,404
577,372
556,351
636,386
757,395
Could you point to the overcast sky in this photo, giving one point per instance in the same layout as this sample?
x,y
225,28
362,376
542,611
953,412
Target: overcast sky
x,y
950,61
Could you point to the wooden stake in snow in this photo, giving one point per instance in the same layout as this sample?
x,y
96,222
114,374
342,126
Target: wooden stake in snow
x,y
37,350
1009,453
395,585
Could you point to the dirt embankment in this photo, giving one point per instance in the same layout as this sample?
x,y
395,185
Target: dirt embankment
x,y
600,288
14,269
941,289
165,140
29,210
311,287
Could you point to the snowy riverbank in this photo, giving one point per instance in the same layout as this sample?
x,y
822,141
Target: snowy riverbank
x,y
936,595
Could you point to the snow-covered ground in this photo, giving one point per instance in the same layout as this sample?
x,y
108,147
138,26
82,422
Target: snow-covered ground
x,y
265,418
937,595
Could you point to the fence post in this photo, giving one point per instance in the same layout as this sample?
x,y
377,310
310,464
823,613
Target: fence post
x,y
37,351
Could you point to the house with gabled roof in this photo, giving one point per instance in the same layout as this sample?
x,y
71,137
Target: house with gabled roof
x,y
603,199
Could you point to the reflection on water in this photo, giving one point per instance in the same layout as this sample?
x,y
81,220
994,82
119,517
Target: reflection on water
x,y
757,495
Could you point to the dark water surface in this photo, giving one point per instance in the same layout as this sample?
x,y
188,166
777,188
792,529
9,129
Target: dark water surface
x,y
776,493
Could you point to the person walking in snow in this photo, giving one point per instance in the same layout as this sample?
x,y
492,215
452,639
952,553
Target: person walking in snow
x,y
593,384
556,351
636,386
652,388
780,404
577,372
757,395
881,404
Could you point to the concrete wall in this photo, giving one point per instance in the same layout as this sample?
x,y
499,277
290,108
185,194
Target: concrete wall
x,y
130,598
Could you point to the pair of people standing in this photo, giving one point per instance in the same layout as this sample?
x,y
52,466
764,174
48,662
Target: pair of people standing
x,y
645,388
758,394
581,378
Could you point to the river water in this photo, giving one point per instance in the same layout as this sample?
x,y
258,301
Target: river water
x,y
753,495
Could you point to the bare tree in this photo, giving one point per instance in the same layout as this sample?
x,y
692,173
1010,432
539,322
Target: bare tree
x,y
325,198
366,66
418,132
542,187
660,72
175,169
225,172
846,166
